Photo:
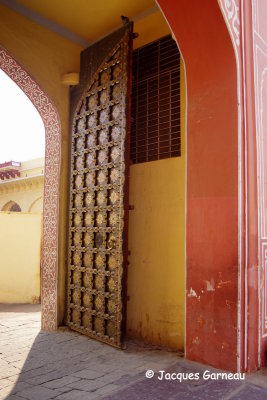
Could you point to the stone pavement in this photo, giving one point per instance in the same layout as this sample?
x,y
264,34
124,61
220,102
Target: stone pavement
x,y
38,365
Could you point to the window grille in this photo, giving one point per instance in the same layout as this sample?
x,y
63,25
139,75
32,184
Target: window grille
x,y
155,128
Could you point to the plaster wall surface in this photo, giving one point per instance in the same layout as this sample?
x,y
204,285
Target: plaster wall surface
x,y
150,28
24,198
20,257
37,205
26,190
156,273
32,167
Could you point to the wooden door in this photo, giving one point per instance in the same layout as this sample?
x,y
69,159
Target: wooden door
x,y
98,208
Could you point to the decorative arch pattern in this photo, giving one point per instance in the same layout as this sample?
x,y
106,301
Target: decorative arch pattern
x,y
52,125
40,198
11,206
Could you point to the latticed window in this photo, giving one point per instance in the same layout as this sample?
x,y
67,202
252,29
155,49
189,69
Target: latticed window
x,y
155,129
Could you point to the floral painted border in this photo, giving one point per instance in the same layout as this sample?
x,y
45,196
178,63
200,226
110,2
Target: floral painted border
x,y
52,125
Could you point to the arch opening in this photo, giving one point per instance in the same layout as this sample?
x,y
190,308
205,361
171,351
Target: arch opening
x,y
212,182
11,206
51,121
37,205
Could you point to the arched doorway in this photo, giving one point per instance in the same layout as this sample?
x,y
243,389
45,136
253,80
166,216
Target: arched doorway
x,y
11,206
51,122
213,221
36,205
213,183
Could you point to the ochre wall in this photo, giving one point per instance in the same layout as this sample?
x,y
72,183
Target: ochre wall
x,y
46,56
156,273
32,167
20,257
150,28
212,180
26,193
37,205
24,198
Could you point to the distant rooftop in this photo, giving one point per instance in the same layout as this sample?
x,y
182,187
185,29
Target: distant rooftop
x,y
10,170
10,164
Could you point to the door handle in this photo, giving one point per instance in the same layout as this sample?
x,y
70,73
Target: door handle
x,y
111,243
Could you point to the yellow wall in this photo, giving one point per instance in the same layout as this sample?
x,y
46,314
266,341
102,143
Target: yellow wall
x,y
32,167
156,274
25,198
46,56
37,205
150,28
20,257
27,193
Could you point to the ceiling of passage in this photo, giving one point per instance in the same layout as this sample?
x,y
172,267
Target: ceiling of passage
x,y
88,19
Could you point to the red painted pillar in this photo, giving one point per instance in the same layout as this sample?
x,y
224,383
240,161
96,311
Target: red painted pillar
x,y
254,15
251,263
212,180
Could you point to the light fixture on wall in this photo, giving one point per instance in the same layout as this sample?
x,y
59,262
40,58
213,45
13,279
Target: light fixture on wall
x,y
70,79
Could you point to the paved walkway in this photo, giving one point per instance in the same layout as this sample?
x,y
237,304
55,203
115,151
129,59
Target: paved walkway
x,y
64,365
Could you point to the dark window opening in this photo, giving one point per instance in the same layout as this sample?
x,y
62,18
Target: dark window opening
x,y
156,127
15,208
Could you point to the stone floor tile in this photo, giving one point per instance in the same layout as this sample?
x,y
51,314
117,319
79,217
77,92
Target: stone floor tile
x,y
108,389
88,374
64,389
35,372
147,390
250,392
65,365
111,377
62,382
51,376
20,386
87,385
10,371
14,378
4,383
38,393
5,392
78,395
258,378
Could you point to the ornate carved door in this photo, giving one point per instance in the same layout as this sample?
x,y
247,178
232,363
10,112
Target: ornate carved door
x,y
97,252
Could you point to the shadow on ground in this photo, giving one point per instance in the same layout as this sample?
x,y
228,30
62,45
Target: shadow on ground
x,y
64,365
20,308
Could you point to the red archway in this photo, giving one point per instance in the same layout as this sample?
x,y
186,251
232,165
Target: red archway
x,y
224,47
51,122
212,223
223,294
